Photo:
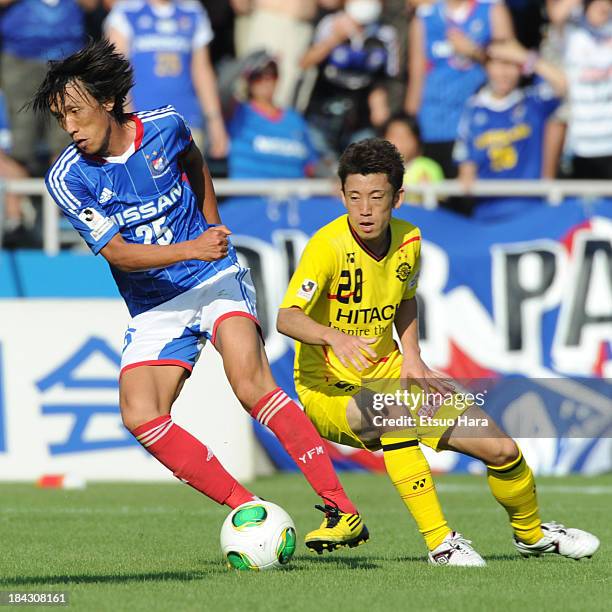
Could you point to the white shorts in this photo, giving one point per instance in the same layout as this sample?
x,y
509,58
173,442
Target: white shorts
x,y
175,332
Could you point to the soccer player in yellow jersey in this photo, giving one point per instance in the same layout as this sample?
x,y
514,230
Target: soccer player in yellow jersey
x,y
356,280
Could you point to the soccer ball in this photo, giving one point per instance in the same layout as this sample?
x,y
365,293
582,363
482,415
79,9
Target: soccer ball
x,y
258,535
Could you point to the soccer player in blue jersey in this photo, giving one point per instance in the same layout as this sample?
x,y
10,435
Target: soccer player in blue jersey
x,y
136,189
501,133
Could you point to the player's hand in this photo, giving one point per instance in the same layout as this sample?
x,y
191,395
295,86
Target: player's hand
x,y
467,181
508,51
212,244
350,350
415,369
462,44
344,27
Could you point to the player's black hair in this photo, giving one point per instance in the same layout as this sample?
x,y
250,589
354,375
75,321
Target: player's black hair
x,y
410,121
98,68
372,156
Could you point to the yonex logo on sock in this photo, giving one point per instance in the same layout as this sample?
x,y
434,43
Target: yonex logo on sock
x,y
419,484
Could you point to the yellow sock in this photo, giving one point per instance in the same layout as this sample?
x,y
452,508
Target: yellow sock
x,y
410,475
514,488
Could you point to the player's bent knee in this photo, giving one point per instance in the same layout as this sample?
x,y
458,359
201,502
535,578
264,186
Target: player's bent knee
x,y
135,414
504,451
249,392
131,421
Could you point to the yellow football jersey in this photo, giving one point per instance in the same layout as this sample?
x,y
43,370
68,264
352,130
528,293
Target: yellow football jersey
x,y
340,283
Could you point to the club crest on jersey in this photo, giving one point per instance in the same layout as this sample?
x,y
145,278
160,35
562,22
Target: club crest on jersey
x,y
403,271
157,162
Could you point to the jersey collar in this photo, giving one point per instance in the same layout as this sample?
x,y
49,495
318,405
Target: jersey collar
x,y
275,116
122,159
365,247
459,16
485,98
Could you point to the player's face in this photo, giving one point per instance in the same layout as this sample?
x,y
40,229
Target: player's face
x,y
504,77
400,134
369,200
87,121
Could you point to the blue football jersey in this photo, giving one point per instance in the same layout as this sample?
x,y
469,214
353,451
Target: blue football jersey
x,y
142,195
450,79
42,29
269,147
504,138
161,43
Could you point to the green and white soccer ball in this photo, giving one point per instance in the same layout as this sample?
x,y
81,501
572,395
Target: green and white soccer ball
x,y
258,535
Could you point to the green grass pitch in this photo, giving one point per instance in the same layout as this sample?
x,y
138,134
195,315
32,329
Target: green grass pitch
x,y
155,547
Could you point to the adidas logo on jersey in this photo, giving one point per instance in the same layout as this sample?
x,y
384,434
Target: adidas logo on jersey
x,y
105,196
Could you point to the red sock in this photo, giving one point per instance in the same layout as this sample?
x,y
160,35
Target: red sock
x,y
190,461
300,439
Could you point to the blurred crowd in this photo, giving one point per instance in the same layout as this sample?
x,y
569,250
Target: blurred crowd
x,y
468,89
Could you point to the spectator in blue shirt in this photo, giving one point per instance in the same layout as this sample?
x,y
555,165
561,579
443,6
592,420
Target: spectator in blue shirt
x,y
267,141
501,132
167,43
447,42
33,32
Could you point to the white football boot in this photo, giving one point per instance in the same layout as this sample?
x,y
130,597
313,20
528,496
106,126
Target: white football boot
x,y
456,550
560,540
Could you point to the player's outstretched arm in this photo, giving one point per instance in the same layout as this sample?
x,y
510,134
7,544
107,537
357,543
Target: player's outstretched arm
x,y
296,324
197,172
129,257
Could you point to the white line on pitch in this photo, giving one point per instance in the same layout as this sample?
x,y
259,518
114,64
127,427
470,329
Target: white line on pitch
x,y
103,511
